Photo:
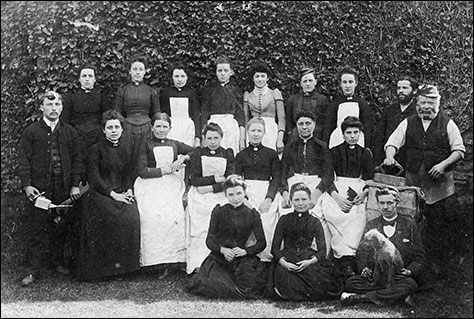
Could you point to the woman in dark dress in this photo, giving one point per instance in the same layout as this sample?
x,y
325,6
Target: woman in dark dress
x,y
110,225
260,167
232,269
300,270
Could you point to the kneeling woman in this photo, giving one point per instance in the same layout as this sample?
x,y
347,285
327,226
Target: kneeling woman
x,y
300,271
232,270
110,224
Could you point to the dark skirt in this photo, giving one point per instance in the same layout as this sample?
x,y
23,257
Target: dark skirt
x,y
109,241
317,282
243,278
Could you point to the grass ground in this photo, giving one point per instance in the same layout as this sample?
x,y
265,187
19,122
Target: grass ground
x,y
142,294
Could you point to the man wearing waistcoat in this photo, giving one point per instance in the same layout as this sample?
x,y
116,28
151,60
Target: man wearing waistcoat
x,y
49,163
433,145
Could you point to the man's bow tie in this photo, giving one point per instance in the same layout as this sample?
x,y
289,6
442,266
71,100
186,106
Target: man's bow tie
x,y
388,223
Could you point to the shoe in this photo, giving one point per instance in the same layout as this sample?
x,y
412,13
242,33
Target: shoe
x,y
348,298
409,301
63,270
28,280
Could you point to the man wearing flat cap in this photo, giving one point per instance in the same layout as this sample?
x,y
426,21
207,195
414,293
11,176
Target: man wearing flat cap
x,y
433,146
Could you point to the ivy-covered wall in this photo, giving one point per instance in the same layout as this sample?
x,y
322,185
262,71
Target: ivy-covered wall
x,y
44,43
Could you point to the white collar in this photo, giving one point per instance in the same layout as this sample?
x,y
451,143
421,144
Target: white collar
x,y
51,124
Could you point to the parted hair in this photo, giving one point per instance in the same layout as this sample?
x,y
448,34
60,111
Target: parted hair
x,y
299,187
351,121
212,127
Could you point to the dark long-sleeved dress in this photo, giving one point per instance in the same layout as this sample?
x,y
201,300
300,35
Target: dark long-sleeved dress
x,y
110,230
297,232
242,278
261,169
83,110
203,166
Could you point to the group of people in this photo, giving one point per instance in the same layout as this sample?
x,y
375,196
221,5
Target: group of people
x,y
255,196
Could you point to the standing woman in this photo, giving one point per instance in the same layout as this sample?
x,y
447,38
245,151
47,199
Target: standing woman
x,y
268,104
261,169
208,168
232,269
182,104
110,224
300,270
137,102
159,190
349,104
309,98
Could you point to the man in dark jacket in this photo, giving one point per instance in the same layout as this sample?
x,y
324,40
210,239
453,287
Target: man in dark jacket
x,y
401,230
49,165
393,115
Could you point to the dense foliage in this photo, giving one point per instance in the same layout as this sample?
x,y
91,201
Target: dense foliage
x,y
44,43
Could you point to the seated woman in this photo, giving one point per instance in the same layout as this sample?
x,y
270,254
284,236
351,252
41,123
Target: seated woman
x,y
208,168
232,270
300,270
159,190
110,224
261,169
345,213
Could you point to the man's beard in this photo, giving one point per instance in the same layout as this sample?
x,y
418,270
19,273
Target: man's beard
x,y
405,99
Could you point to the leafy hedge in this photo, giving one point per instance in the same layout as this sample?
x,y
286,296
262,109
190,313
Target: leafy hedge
x,y
44,43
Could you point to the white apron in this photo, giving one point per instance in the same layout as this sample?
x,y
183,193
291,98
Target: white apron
x,y
271,133
162,220
345,109
344,229
311,181
256,192
182,126
199,211
231,130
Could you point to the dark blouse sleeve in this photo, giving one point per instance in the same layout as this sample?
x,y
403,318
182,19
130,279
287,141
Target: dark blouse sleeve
x,y
195,170
155,102
327,176
368,165
275,176
285,168
366,119
184,149
195,112
290,123
119,95
278,237
257,228
330,121
66,114
229,170
319,238
104,102
93,169
144,169
211,240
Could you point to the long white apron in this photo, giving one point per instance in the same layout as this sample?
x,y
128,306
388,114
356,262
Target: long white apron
x,y
182,126
199,211
311,181
162,219
271,133
345,109
231,130
344,229
256,192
